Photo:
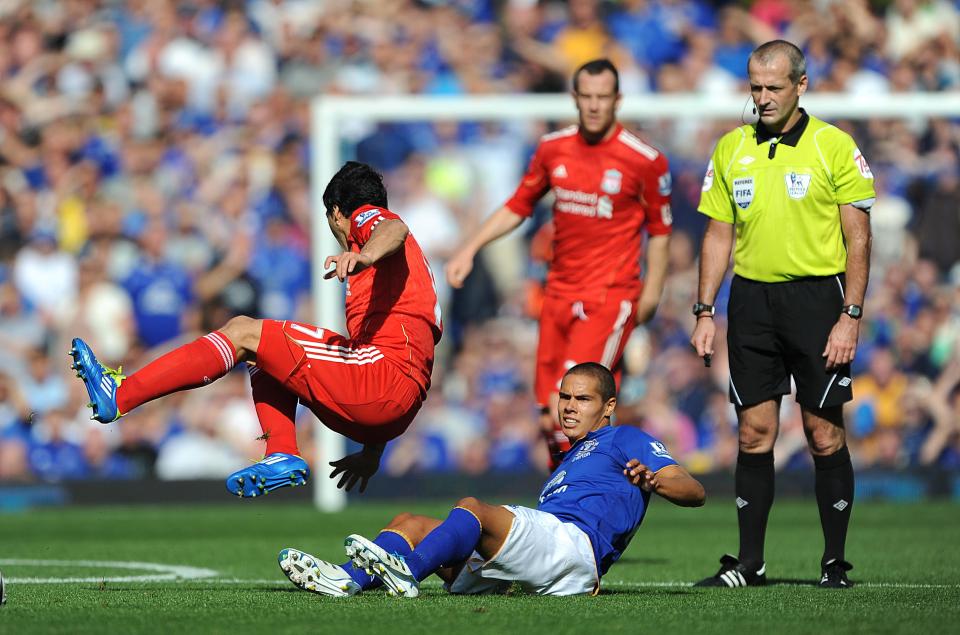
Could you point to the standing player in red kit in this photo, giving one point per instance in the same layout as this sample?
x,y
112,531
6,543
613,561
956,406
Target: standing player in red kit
x,y
368,386
608,185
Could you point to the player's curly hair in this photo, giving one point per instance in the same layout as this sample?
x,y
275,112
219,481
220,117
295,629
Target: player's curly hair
x,y
605,382
355,185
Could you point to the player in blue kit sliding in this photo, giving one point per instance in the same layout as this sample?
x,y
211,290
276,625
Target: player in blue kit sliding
x,y
588,512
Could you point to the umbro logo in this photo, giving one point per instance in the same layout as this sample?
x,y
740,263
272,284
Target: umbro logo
x,y
840,505
741,503
559,172
747,160
844,381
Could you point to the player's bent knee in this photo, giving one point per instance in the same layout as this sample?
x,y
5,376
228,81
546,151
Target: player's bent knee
x,y
470,503
244,333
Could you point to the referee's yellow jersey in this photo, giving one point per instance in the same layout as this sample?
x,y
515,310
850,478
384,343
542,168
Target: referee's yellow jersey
x,y
784,194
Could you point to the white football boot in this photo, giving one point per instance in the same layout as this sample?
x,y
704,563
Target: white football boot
x,y
315,575
390,569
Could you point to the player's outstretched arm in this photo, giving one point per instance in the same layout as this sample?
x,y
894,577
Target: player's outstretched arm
x,y
654,276
671,482
387,238
500,223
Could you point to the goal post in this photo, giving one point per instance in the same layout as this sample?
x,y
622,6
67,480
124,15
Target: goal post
x,y
330,113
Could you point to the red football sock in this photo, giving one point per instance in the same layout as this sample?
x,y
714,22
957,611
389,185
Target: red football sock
x,y
190,366
277,410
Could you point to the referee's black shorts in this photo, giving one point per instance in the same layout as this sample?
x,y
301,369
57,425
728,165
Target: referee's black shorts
x,y
779,329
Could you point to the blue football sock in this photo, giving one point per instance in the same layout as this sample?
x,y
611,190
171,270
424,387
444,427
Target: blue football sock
x,y
391,542
451,542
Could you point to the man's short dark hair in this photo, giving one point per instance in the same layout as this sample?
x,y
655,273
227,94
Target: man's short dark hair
x,y
595,67
766,52
605,382
355,185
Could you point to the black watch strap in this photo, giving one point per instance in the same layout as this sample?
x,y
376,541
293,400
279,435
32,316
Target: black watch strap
x,y
700,309
853,310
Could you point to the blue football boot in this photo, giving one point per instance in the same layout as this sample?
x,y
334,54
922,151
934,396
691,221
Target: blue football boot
x,y
269,473
101,382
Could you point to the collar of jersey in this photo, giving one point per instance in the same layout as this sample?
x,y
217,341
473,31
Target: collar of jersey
x,y
617,129
791,137
590,435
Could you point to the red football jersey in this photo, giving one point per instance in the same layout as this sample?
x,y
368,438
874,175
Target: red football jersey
x,y
393,304
605,195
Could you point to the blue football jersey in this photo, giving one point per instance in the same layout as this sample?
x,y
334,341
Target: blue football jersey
x,y
590,490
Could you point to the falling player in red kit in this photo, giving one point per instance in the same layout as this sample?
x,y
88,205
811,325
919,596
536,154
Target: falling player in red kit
x,y
368,386
609,186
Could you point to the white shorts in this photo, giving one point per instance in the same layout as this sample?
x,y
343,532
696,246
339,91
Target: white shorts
x,y
543,554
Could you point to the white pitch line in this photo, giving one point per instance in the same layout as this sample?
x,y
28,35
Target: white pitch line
x,y
892,585
181,573
619,584
162,572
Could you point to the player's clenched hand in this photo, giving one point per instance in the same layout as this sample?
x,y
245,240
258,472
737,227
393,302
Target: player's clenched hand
x,y
349,262
842,343
359,466
703,336
459,268
640,475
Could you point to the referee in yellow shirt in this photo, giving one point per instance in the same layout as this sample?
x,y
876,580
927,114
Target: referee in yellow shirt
x,y
796,192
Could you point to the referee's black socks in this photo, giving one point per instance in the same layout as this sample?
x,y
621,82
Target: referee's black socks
x,y
754,488
834,487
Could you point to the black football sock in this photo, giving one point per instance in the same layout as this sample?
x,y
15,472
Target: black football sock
x,y
834,487
754,489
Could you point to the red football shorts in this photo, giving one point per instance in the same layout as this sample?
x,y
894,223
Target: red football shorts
x,y
352,388
573,332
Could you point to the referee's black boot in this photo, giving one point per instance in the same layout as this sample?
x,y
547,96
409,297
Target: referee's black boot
x,y
734,573
834,575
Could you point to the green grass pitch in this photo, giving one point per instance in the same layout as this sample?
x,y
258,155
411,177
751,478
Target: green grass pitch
x,y
907,560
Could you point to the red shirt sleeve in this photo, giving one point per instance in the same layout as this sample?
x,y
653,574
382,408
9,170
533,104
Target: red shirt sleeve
x,y
534,185
365,220
656,196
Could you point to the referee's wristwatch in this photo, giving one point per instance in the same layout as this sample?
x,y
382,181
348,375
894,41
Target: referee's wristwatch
x,y
853,310
700,309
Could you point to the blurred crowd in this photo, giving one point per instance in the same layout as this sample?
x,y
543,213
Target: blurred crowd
x,y
154,181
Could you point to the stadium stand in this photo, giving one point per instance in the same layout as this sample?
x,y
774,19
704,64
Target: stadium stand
x,y
154,182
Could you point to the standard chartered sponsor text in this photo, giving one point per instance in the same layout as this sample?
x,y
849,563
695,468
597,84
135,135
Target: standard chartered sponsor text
x,y
577,202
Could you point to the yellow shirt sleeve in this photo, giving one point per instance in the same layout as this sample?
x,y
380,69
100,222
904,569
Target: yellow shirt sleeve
x,y
852,178
715,199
